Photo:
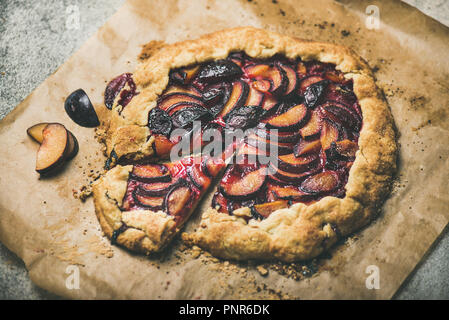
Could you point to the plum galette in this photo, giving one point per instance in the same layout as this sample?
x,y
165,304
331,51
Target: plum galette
x,y
294,136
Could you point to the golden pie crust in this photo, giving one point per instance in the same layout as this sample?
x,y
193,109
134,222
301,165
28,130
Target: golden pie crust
x,y
296,233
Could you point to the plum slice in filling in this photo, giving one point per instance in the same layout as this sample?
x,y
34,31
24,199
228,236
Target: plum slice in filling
x,y
305,111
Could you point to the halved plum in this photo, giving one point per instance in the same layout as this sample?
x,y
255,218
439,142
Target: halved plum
x,y
36,131
240,186
266,209
148,202
54,148
321,183
239,93
79,108
293,118
313,127
178,199
150,173
307,147
293,164
219,70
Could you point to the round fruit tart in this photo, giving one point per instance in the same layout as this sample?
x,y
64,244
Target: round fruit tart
x,y
292,137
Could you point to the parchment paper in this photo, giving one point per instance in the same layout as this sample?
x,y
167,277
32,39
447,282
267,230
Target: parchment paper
x,y
49,229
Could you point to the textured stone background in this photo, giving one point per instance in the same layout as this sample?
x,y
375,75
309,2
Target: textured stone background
x,y
34,41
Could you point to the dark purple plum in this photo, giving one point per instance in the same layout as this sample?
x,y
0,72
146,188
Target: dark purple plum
x,y
116,86
80,109
244,117
218,71
159,122
314,92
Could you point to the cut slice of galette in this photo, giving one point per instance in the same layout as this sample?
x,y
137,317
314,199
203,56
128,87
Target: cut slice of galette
x,y
306,135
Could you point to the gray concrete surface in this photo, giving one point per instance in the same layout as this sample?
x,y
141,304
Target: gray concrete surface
x,y
34,41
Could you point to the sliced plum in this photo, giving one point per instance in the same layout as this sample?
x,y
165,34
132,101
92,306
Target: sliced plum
x,y
189,90
73,147
306,82
261,85
167,101
270,146
313,127
115,87
321,183
329,134
307,147
160,122
219,70
294,118
162,145
301,70
178,199
184,76
212,166
80,109
150,173
155,189
284,137
243,117
198,177
293,164
344,150
254,98
240,186
287,177
216,97
314,93
270,105
148,202
36,131
184,117
239,93
275,74
340,113
292,78
266,209
219,202
291,193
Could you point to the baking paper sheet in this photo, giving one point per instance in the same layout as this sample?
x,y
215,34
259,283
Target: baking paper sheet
x,y
57,235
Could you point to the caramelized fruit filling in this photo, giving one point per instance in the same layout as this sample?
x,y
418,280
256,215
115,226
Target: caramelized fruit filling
x,y
310,104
